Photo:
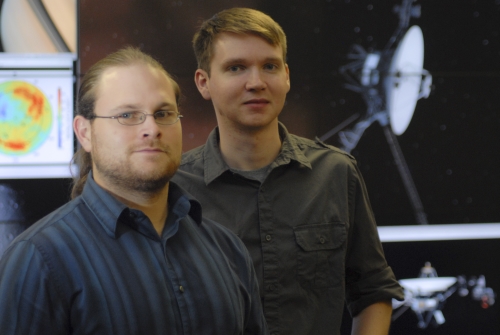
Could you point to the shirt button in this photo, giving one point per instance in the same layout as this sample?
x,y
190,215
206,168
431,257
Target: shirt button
x,y
322,240
181,289
268,238
271,287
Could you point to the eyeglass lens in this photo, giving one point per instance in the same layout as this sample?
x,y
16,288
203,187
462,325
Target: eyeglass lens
x,y
161,117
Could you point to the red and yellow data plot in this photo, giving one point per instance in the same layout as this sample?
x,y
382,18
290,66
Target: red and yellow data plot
x,y
25,118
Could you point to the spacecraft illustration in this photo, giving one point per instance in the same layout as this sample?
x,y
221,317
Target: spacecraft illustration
x,y
426,295
391,81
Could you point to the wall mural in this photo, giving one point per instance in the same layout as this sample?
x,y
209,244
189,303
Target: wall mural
x,y
409,88
449,142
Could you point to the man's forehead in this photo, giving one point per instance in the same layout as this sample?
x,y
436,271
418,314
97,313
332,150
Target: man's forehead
x,y
129,79
133,72
126,70
111,74
223,39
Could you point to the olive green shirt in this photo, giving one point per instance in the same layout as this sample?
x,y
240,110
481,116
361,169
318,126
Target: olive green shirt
x,y
309,228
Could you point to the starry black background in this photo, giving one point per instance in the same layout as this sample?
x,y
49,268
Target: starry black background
x,y
451,145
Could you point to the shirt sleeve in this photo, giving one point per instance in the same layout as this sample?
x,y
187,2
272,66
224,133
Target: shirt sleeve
x,y
369,279
28,299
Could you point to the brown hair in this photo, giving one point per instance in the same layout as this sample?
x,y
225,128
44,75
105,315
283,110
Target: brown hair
x,y
85,103
239,21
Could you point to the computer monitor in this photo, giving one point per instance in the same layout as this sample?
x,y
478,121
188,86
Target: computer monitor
x,y
36,113
37,84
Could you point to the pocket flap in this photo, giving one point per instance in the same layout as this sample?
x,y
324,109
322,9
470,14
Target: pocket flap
x,y
320,236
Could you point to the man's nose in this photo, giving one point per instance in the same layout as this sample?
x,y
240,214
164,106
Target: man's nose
x,y
149,127
255,81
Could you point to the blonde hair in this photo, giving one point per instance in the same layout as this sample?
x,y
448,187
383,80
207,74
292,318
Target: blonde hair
x,y
87,96
239,21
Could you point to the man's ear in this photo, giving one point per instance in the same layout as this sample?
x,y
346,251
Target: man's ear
x,y
202,80
287,76
81,126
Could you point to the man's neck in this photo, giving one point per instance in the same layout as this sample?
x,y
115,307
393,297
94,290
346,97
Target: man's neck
x,y
250,149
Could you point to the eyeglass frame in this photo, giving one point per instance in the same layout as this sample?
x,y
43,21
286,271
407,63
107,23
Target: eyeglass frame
x,y
120,116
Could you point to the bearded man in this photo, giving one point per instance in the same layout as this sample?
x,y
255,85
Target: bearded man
x,y
131,253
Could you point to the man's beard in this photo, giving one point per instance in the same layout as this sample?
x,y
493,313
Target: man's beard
x,y
125,179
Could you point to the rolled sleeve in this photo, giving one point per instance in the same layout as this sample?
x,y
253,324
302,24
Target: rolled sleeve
x,y
368,277
380,286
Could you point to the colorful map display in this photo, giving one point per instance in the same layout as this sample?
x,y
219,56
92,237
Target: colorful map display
x,y
25,118
36,117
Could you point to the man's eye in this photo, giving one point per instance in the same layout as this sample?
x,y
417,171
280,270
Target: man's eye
x,y
235,68
127,115
270,67
161,114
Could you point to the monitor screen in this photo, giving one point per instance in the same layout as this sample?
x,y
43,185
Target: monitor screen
x,y
36,113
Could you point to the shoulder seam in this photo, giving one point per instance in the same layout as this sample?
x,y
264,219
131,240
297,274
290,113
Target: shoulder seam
x,y
192,155
333,148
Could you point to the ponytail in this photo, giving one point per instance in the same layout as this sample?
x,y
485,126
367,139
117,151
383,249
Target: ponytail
x,y
84,162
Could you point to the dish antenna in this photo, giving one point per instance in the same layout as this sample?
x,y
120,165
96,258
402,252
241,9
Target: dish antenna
x,y
427,294
391,82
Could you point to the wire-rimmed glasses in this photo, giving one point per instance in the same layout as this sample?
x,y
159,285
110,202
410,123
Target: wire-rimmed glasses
x,y
137,117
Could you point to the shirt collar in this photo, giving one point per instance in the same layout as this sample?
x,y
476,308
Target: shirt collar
x,y
214,164
291,150
183,204
110,212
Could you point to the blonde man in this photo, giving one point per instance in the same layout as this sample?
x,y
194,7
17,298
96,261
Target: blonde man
x,y
300,206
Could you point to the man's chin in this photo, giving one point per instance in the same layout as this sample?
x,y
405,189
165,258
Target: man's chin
x,y
146,182
152,182
150,185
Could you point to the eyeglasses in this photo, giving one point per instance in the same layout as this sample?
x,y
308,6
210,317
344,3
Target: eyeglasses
x,y
136,117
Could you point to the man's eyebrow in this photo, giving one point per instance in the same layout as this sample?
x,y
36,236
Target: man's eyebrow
x,y
126,106
232,61
138,107
274,60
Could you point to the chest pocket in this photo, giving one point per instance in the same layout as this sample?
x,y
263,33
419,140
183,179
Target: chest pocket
x,y
320,258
